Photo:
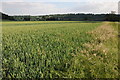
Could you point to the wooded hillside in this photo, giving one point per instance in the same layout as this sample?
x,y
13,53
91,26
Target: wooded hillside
x,y
64,17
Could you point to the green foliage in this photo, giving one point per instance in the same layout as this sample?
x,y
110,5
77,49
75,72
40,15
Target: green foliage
x,y
64,17
50,50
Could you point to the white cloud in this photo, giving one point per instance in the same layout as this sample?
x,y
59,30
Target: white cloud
x,y
13,0
96,7
60,0
34,8
0,7
14,8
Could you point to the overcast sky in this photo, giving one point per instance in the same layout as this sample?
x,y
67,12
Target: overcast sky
x,y
43,7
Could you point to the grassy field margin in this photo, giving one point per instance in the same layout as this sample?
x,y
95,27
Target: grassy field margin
x,y
101,53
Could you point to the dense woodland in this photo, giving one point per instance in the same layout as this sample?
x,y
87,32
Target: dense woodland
x,y
64,17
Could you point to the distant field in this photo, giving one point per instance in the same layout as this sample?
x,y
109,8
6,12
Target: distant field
x,y
59,49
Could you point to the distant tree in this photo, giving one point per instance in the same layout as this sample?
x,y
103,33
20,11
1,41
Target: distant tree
x,y
44,18
112,17
27,18
65,17
86,18
4,16
51,19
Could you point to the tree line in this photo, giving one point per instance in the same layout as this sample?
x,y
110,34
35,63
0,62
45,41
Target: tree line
x,y
64,17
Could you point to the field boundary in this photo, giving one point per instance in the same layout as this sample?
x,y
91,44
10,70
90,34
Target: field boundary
x,y
100,52
101,35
